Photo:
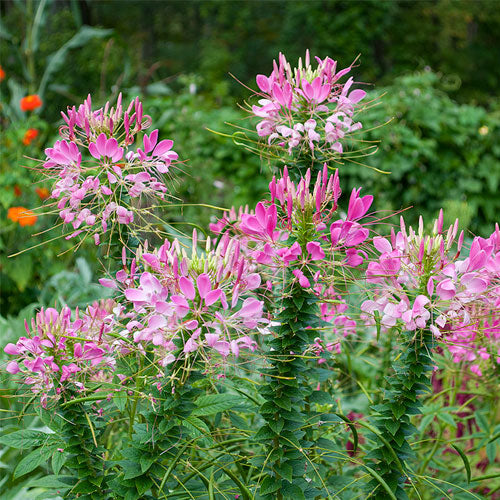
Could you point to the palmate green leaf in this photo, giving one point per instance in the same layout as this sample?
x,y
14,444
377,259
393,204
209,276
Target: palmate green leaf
x,y
24,438
215,403
491,452
446,418
31,461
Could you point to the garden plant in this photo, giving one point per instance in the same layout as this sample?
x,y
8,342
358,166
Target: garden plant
x,y
306,347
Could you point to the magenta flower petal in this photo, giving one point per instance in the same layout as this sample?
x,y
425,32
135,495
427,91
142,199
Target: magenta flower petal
x,y
94,151
163,147
212,297
101,144
135,295
187,288
204,284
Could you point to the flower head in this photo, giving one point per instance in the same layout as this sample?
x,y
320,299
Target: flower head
x,y
196,303
98,175
59,352
306,108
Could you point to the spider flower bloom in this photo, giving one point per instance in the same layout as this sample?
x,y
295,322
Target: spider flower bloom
x,y
30,102
307,107
59,352
30,135
415,276
276,227
192,304
98,171
22,215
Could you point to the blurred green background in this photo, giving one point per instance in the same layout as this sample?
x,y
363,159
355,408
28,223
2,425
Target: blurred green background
x,y
434,65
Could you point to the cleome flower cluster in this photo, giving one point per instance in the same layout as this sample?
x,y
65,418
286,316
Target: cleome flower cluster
x,y
307,108
99,173
196,305
59,352
417,285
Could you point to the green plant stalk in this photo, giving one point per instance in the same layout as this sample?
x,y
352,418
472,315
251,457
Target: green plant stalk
x,y
158,440
410,379
86,462
286,393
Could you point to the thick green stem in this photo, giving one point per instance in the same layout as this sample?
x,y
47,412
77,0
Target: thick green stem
x,y
411,378
288,387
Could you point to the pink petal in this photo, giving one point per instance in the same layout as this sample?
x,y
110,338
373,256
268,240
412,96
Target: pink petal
x,y
204,285
187,288
163,147
135,295
382,245
212,297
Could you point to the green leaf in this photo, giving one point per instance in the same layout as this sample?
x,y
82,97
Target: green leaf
x,y
286,471
20,270
465,460
84,486
58,482
196,426
265,432
426,421
24,438
146,462
120,400
215,403
130,469
276,425
392,426
31,461
143,484
293,491
446,418
284,402
398,410
320,397
269,485
58,460
491,452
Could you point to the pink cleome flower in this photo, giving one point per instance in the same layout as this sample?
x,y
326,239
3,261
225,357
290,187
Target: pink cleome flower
x,y
307,106
96,170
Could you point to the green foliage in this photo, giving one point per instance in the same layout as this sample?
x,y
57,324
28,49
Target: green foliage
x,y
400,402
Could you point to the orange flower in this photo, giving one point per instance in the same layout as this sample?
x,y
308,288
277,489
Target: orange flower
x,y
30,102
2,74
17,190
22,215
43,193
29,136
